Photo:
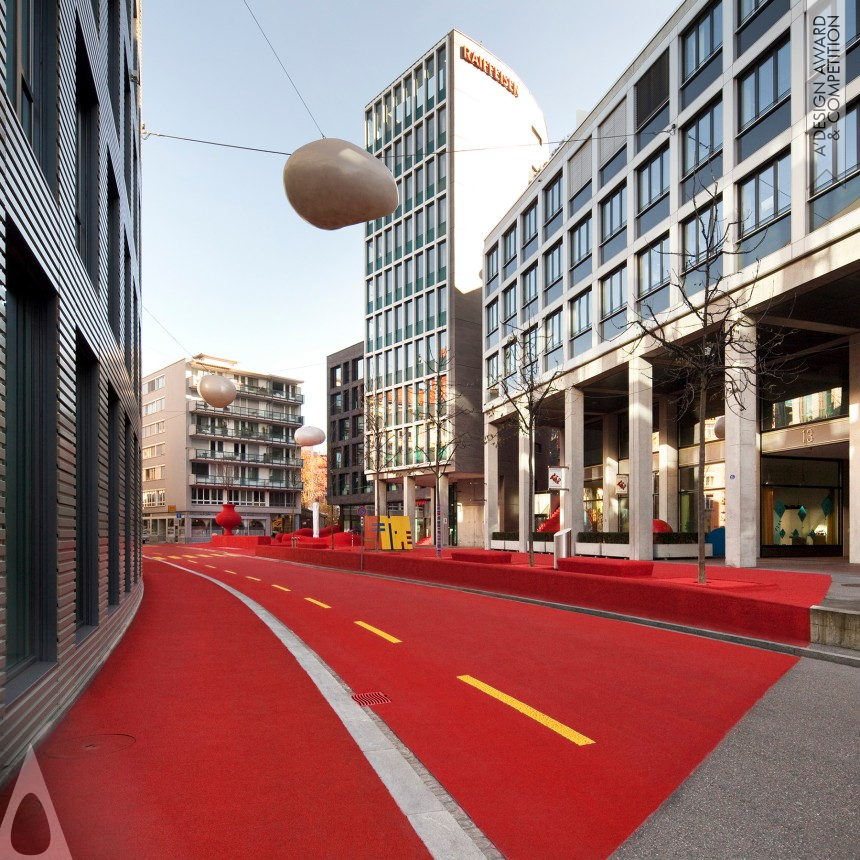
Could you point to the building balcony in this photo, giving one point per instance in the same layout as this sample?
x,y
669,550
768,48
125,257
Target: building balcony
x,y
243,412
238,457
243,483
263,391
240,433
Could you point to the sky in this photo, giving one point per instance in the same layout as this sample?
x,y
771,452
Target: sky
x,y
229,269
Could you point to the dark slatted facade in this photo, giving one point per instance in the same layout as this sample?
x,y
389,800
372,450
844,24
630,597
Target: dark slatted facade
x,y
70,491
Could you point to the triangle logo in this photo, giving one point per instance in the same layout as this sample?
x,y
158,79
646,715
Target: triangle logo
x,y
31,781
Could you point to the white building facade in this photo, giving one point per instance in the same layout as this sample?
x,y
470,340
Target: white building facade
x,y
462,136
718,120
197,457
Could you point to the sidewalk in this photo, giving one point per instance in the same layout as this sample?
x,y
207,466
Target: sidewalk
x,y
203,737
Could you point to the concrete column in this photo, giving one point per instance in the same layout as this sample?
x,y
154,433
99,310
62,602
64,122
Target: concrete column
x,y
491,484
524,489
852,524
610,473
742,457
409,502
668,462
573,456
640,405
381,493
443,508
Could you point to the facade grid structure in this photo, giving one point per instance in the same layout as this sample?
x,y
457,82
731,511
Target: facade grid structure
x,y
197,457
422,270
717,122
70,557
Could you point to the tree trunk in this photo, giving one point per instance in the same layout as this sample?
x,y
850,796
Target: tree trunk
x,y
700,485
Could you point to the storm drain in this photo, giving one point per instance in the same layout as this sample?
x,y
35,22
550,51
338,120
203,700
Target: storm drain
x,y
367,699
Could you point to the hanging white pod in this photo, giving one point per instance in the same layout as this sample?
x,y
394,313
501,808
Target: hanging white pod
x,y
217,391
308,436
333,183
720,427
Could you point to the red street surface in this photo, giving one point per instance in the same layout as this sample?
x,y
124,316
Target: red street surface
x,y
558,733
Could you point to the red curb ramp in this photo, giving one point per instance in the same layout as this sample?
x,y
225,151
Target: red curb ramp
x,y
763,604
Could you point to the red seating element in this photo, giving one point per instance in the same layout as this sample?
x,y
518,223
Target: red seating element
x,y
241,541
551,523
606,566
482,556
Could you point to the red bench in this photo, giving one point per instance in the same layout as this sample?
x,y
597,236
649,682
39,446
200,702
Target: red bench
x,y
606,566
482,556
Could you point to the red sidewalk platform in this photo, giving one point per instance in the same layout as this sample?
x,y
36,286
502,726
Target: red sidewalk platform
x,y
202,737
765,604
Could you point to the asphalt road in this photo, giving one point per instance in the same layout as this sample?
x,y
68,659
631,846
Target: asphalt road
x,y
783,785
559,734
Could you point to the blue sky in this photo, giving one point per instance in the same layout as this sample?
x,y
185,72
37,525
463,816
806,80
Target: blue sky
x,y
229,269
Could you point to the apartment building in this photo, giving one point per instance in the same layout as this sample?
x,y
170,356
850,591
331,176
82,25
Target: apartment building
x,y
462,137
196,457
69,353
738,119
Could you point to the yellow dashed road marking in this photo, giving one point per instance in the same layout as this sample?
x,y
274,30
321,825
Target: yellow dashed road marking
x,y
281,587
517,705
231,571
255,578
311,600
212,566
176,556
378,632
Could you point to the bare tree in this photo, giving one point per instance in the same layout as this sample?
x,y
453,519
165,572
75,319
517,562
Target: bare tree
x,y
716,350
438,437
525,387
378,440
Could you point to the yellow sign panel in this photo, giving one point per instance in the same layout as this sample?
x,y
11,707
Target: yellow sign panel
x,y
387,533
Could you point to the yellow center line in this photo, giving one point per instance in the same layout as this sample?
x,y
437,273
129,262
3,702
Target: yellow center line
x,y
231,571
517,705
176,556
255,578
311,600
212,566
281,587
378,632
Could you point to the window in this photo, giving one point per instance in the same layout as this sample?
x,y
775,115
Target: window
x,y
491,269
766,195
153,406
554,346
530,230
766,84
747,7
835,176
87,165
653,179
153,429
703,137
509,310
612,138
552,207
613,214
580,244
530,291
442,215
509,251
701,41
580,323
153,498
156,473
703,235
31,77
764,198
493,371
154,384
613,303
654,272
552,275
835,152
492,323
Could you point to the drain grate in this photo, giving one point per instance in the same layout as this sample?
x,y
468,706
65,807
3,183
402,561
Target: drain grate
x,y
366,699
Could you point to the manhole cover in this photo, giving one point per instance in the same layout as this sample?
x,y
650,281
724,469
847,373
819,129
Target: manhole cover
x,y
365,699
91,745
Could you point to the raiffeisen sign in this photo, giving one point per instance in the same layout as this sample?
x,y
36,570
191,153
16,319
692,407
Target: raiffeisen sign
x,y
488,68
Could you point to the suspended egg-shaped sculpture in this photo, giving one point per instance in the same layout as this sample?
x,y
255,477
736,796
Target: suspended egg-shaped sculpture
x,y
308,436
332,183
217,391
720,427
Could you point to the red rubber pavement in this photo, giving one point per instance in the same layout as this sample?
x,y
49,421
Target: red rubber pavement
x,y
235,753
654,702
